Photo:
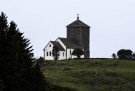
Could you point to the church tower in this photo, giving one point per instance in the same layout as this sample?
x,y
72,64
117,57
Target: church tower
x,y
80,31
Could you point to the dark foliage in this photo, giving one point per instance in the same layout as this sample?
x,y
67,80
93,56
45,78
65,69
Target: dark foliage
x,y
59,88
55,52
114,56
125,54
17,71
40,61
78,52
3,48
1,85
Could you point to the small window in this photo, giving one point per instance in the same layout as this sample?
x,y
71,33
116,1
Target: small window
x,y
70,52
63,54
50,53
50,45
47,54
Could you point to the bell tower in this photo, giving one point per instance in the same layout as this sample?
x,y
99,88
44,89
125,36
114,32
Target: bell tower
x,y
80,31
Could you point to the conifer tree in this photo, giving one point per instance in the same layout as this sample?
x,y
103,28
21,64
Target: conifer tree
x,y
17,71
21,55
3,48
18,58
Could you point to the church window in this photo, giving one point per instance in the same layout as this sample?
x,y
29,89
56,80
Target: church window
x,y
47,54
63,54
50,45
50,53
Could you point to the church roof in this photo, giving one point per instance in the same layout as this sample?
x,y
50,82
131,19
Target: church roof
x,y
55,43
78,23
70,43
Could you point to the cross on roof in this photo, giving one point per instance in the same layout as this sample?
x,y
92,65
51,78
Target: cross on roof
x,y
77,16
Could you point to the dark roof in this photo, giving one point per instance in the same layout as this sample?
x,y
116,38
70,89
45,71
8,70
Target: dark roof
x,y
55,43
70,43
78,23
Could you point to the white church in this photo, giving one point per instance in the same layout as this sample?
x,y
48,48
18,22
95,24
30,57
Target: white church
x,y
77,37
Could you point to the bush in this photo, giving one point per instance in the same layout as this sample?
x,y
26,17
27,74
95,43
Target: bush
x,y
125,54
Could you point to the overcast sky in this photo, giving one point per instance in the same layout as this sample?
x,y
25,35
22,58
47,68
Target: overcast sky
x,y
112,22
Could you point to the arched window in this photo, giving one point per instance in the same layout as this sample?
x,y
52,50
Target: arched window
x,y
47,54
50,45
50,53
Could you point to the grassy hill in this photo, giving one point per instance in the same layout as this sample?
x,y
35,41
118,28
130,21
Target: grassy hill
x,y
92,74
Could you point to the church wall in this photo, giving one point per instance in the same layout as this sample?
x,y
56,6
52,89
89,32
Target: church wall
x,y
81,34
86,42
69,53
48,52
62,55
76,33
50,56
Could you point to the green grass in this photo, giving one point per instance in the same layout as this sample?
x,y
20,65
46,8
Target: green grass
x,y
92,75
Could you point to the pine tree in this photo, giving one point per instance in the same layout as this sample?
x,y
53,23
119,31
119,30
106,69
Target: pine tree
x,y
3,29
3,48
20,53
17,71
36,79
18,58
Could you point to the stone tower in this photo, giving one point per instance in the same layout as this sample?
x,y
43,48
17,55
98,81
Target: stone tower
x,y
80,31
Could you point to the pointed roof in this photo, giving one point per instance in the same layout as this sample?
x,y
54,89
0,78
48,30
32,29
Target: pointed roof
x,y
70,43
55,43
78,23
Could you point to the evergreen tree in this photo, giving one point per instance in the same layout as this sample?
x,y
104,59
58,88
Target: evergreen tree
x,y
20,53
36,79
3,48
1,85
18,58
17,71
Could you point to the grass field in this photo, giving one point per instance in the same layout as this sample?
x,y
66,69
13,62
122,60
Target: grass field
x,y
92,74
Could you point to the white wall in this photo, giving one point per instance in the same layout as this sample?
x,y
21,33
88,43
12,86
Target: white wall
x,y
62,55
48,49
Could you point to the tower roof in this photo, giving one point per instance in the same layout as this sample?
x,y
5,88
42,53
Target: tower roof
x,y
78,23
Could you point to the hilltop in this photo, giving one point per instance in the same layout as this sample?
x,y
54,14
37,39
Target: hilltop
x,y
92,74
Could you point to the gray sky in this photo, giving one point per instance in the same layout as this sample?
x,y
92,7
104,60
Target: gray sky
x,y
112,22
